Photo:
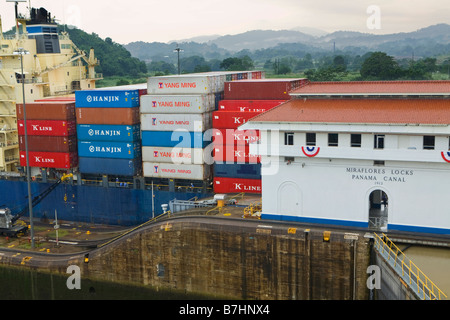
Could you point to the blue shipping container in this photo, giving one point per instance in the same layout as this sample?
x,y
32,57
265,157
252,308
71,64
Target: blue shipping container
x,y
109,149
106,98
108,132
120,167
182,139
235,170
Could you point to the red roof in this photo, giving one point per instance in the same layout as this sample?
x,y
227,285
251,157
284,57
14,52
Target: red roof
x,y
375,87
395,111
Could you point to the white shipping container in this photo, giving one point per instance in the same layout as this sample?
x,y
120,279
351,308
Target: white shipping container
x,y
173,155
177,103
183,84
171,122
176,171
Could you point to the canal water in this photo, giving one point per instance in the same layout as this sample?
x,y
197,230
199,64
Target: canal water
x,y
434,262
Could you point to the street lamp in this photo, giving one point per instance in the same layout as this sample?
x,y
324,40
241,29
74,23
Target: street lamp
x,y
178,50
22,52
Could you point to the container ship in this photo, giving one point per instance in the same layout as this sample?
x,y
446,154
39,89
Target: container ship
x,y
127,149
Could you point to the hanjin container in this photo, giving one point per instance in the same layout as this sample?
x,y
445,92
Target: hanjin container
x,y
58,160
47,127
176,171
47,110
108,132
171,122
121,116
99,98
173,155
109,149
177,103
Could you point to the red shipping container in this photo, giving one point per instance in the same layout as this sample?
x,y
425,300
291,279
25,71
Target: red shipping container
x,y
231,119
59,160
49,143
248,105
47,127
235,137
262,89
47,110
235,185
234,154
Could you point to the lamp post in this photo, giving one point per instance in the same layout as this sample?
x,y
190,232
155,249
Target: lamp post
x,y
22,52
178,50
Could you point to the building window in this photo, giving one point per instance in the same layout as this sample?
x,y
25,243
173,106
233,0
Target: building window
x,y
355,140
333,139
428,142
310,139
288,138
378,141
378,163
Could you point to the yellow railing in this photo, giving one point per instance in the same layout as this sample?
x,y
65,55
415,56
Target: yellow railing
x,y
386,247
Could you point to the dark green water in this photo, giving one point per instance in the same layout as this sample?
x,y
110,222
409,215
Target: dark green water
x,y
24,284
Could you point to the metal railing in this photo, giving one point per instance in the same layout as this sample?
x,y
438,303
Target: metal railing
x,y
409,272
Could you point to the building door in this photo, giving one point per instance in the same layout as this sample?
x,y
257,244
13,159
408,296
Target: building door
x,y
378,210
289,198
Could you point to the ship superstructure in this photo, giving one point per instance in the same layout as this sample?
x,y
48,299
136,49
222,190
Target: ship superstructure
x,y
52,66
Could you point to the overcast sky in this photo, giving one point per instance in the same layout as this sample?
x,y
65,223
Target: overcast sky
x,y
166,20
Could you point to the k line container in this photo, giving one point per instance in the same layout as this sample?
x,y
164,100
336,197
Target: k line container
x,y
248,105
176,171
59,160
235,136
234,154
120,116
244,171
181,139
99,98
177,103
120,167
237,185
261,89
47,110
47,127
109,149
171,122
49,143
173,155
231,119
108,132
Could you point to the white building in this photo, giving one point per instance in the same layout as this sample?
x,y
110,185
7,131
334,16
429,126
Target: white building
x,y
365,154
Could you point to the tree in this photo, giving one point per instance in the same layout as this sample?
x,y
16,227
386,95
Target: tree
x,y
380,66
237,64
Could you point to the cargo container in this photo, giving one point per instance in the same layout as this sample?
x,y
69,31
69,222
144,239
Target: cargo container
x,y
183,84
235,136
244,171
176,171
47,110
108,132
181,139
120,167
49,143
101,98
47,127
57,99
121,116
173,155
171,122
177,103
261,89
58,160
109,149
231,119
237,185
248,105
234,154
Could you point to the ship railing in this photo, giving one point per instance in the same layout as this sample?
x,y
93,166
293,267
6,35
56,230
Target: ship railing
x,y
409,272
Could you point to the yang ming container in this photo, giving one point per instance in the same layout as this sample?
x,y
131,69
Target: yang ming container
x,y
177,103
183,84
173,155
176,171
171,122
109,149
121,116
47,110
108,132
47,127
58,160
106,98
49,143
181,139
120,167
